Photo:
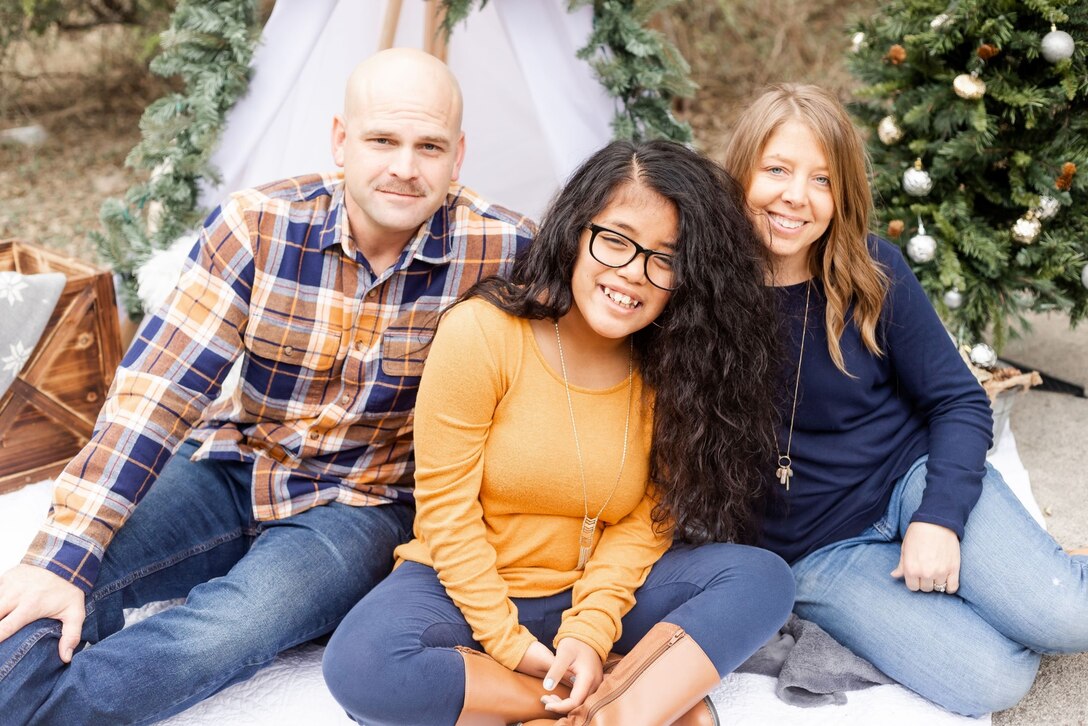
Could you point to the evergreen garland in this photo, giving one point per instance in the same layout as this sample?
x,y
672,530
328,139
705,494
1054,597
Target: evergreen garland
x,y
993,160
209,45
637,65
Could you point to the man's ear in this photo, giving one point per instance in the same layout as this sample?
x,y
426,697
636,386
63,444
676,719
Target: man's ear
x,y
460,157
339,136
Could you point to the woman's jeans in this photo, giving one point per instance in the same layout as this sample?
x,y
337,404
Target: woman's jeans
x,y
392,660
973,652
252,590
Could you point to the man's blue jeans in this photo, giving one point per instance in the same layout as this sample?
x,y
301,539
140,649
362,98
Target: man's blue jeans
x,y
973,652
252,590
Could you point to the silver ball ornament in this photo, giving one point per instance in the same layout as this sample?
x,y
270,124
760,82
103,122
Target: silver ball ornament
x,y
1048,207
921,247
888,130
983,355
917,181
953,299
969,86
1027,228
1057,45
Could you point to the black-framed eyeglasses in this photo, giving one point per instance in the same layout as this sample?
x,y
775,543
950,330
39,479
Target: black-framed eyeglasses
x,y
613,249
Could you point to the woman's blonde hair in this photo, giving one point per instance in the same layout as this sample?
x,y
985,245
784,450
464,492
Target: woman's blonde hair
x,y
841,257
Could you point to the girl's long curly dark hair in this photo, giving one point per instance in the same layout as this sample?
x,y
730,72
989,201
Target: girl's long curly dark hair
x,y
710,356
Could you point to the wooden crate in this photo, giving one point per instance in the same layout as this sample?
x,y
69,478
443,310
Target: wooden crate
x,y
48,413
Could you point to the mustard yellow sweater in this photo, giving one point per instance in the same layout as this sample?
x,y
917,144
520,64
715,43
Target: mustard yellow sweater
x,y
498,491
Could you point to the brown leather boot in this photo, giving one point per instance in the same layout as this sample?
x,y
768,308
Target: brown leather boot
x,y
658,682
497,696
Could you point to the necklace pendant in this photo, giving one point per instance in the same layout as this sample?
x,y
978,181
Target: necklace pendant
x,y
784,471
585,541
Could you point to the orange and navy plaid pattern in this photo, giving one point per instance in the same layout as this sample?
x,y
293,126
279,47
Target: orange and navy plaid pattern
x,y
331,356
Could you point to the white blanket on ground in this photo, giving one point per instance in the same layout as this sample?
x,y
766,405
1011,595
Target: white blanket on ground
x,y
291,690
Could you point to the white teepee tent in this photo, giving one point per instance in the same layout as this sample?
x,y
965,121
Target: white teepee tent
x,y
533,110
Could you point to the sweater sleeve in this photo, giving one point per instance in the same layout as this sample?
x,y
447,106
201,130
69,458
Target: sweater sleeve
x,y
464,380
941,387
618,566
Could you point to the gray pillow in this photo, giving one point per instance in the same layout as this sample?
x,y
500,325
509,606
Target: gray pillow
x,y
26,302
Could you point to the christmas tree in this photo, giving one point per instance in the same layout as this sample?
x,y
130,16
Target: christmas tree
x,y
979,114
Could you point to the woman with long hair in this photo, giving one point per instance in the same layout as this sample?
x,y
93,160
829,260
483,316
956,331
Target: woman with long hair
x,y
905,544
569,422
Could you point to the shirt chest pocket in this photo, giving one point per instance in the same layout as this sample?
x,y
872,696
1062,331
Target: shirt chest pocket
x,y
291,360
404,350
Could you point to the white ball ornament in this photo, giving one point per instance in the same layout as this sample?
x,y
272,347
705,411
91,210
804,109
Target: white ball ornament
x,y
1027,228
888,130
916,181
1057,45
1048,207
921,248
1084,276
939,21
953,299
969,86
856,42
983,356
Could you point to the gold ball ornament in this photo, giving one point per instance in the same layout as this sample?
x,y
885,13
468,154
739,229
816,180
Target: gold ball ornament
x,y
1027,228
1057,45
916,181
921,248
888,131
969,86
983,355
1048,207
953,299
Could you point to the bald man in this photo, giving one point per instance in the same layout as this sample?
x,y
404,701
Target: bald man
x,y
274,509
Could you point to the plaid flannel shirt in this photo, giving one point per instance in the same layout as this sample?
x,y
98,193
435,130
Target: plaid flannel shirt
x,y
331,358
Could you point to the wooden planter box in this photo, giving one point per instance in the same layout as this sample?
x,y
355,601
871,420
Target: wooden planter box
x,y
48,413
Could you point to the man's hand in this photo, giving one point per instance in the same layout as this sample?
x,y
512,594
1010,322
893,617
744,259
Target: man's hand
x,y
577,663
929,558
28,593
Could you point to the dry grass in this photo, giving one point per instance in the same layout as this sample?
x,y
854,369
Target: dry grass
x,y
87,90
736,47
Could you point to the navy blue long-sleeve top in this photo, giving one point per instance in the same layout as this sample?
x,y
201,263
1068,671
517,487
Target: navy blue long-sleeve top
x,y
855,437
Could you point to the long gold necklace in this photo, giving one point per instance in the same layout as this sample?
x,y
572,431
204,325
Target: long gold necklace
x,y
785,464
589,524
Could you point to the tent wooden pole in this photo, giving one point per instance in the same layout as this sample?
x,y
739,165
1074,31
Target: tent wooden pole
x,y
389,24
434,36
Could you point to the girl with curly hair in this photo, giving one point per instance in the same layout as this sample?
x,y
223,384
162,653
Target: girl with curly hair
x,y
569,421
905,544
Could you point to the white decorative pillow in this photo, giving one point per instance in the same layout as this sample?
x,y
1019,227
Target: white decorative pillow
x,y
26,302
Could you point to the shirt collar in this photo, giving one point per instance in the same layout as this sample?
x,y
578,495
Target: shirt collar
x,y
431,244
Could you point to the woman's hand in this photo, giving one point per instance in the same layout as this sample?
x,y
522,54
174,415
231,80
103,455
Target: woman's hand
x,y
929,558
580,665
537,660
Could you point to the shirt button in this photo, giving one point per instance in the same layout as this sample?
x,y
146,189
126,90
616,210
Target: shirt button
x,y
314,434
372,293
288,350
358,345
345,400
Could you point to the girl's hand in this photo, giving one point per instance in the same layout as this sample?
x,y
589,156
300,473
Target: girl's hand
x,y
577,663
537,660
929,558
